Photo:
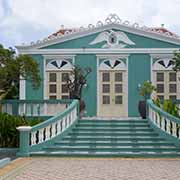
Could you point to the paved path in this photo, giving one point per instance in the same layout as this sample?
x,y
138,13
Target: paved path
x,y
93,169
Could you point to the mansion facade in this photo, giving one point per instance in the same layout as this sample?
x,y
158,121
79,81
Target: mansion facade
x,y
122,56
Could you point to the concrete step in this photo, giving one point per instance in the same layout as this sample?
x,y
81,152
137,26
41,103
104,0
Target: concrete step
x,y
107,154
109,138
112,149
111,143
113,121
117,134
112,130
113,125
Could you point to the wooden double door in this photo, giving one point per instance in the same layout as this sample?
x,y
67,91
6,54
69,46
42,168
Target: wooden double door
x,y
113,94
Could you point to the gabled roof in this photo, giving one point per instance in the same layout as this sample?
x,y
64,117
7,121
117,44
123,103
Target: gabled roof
x,y
161,30
112,21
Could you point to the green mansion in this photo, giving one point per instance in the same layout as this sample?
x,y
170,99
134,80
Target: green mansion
x,y
122,57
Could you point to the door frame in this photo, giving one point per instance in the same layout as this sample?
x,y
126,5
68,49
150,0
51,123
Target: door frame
x,y
113,57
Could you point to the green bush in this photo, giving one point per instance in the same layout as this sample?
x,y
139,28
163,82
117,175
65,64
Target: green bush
x,y
9,135
168,106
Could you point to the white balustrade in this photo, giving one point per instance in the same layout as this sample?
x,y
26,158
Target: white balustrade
x,y
167,123
53,129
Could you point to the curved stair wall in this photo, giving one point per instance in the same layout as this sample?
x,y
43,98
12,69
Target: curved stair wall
x,y
34,138
165,123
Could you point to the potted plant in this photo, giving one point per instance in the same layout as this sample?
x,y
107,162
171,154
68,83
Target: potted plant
x,y
145,91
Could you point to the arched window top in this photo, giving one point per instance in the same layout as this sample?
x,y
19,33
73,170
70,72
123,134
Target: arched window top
x,y
112,64
163,64
59,64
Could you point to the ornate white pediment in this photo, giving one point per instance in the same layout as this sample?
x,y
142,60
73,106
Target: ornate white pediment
x,y
112,64
59,64
163,64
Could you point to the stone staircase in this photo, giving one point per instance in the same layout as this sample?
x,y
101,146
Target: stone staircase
x,y
111,138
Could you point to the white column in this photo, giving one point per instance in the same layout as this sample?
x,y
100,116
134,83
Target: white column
x,y
22,91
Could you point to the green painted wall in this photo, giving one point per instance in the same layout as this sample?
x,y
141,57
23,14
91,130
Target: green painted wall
x,y
36,93
138,72
89,92
140,41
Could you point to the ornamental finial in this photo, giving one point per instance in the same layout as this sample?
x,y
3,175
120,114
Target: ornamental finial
x,y
112,18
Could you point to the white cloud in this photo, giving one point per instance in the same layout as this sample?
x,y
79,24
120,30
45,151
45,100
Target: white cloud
x,y
1,10
30,19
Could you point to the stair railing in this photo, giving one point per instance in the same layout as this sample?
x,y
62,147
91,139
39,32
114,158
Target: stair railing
x,y
163,120
37,135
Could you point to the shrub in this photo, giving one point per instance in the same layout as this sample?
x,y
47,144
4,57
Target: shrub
x,y
168,106
9,135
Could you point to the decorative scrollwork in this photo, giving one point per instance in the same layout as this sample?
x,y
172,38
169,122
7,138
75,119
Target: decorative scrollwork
x,y
91,26
112,19
135,25
126,23
99,24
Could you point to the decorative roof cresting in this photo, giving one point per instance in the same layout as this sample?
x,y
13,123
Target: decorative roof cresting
x,y
111,19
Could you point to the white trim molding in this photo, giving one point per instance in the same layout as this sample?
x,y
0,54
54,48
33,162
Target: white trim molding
x,y
64,52
158,56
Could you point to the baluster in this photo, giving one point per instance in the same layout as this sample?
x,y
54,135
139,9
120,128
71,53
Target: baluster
x,y
168,129
58,127
47,132
174,129
53,129
163,123
41,134
75,114
63,123
33,138
70,118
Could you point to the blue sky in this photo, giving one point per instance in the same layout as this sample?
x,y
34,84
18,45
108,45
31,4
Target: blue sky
x,y
23,21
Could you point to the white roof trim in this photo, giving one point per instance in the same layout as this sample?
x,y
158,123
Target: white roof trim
x,y
109,24
99,51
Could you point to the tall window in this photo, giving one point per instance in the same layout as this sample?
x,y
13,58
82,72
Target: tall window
x,y
57,85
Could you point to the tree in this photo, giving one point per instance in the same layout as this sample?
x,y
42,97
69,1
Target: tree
x,y
75,82
14,67
176,58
